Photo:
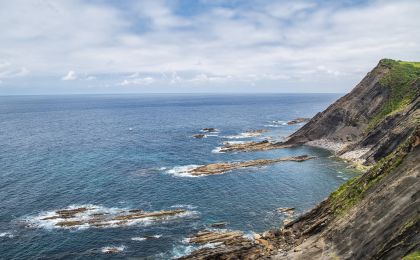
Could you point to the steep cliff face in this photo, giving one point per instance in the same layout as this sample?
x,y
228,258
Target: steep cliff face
x,y
373,119
375,215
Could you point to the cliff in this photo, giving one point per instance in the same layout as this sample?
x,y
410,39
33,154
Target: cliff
x,y
375,215
373,119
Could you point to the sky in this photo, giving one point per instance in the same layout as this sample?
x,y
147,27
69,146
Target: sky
x,y
202,46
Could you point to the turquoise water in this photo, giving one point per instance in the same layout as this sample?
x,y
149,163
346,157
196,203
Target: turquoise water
x,y
122,152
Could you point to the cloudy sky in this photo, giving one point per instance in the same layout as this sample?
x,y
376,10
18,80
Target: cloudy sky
x,y
104,46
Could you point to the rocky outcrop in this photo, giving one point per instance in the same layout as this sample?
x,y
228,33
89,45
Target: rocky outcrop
x,y
298,120
218,168
89,216
209,130
253,146
225,245
373,119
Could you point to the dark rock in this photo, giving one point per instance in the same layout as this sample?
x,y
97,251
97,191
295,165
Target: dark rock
x,y
298,120
209,130
219,224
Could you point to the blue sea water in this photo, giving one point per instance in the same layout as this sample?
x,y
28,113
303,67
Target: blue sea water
x,y
121,152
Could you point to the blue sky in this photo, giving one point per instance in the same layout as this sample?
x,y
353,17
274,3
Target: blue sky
x,y
104,46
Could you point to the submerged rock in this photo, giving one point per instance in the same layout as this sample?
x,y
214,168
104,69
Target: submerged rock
x,y
218,168
218,224
209,130
286,210
199,136
113,249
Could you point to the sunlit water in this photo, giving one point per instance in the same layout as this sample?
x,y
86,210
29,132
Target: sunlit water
x,y
121,152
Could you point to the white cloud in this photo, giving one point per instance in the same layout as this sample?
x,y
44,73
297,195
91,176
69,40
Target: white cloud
x,y
274,41
71,75
7,70
137,81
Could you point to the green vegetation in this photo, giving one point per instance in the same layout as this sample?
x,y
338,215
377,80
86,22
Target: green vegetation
x,y
412,63
351,192
413,256
399,81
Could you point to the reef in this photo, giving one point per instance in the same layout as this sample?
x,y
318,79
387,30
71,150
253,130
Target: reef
x,y
218,168
264,145
96,217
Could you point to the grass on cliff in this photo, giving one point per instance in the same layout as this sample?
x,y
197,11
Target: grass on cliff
x,y
400,81
413,256
353,191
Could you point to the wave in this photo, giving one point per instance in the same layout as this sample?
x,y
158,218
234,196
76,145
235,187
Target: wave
x,y
138,238
233,142
112,249
183,171
241,136
145,238
93,216
6,235
210,130
218,149
186,206
183,250
276,123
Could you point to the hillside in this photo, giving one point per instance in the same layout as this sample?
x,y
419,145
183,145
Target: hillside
x,y
373,119
375,215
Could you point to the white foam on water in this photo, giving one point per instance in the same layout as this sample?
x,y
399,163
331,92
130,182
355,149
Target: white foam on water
x,y
241,136
180,251
138,238
113,249
183,171
276,123
186,206
6,235
233,142
218,149
216,131
274,126
279,122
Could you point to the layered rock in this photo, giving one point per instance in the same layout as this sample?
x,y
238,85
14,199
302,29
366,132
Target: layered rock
x,y
218,168
298,120
253,146
89,216
373,119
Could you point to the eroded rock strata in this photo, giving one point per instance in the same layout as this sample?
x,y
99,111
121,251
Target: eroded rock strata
x,y
218,168
264,145
88,216
374,215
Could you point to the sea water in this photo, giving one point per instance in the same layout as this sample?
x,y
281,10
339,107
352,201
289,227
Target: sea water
x,y
122,152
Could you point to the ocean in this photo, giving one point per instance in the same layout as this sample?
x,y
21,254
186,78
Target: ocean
x,y
115,153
